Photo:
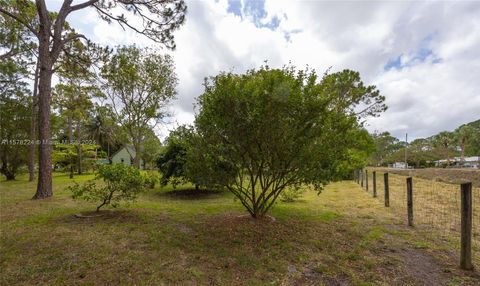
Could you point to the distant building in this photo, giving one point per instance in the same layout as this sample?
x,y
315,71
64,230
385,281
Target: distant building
x,y
468,162
125,156
398,165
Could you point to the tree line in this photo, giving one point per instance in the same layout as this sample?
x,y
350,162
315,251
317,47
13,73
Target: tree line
x,y
255,134
423,152
37,44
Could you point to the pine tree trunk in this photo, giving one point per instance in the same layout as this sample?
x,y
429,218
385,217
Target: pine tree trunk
x,y
70,141
70,129
33,128
79,150
44,185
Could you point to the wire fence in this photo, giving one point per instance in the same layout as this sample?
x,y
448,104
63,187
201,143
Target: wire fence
x,y
436,205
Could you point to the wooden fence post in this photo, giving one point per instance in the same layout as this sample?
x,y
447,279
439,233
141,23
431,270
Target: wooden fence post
x,y
374,182
410,201
361,175
466,226
387,194
366,180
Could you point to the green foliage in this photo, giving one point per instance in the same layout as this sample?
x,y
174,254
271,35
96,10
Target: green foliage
x,y
14,131
292,193
171,162
74,100
465,135
121,183
385,145
266,130
423,152
65,155
357,155
16,46
151,148
139,84
101,126
150,179
183,161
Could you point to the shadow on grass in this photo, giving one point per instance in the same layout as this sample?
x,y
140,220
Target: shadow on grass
x,y
104,216
192,194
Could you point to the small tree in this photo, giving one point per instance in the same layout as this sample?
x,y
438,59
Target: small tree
x,y
268,130
385,145
171,161
139,85
120,183
183,160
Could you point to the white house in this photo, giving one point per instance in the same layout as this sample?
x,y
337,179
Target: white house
x,y
125,156
469,162
397,165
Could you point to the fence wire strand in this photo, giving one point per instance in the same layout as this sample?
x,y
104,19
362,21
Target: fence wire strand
x,y
436,205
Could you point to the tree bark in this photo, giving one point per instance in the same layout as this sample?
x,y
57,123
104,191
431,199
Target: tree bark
x,y
8,172
9,176
70,141
79,149
44,185
33,128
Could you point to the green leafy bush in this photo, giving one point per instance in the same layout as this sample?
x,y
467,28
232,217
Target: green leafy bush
x,y
120,183
270,129
150,179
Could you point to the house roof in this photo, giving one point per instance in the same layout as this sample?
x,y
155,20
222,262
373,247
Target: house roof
x,y
130,150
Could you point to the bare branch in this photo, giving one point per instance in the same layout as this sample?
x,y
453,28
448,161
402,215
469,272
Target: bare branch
x,y
81,5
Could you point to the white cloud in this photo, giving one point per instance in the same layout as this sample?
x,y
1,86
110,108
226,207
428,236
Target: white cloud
x,y
434,87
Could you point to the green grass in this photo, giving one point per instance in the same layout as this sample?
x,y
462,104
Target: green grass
x,y
166,238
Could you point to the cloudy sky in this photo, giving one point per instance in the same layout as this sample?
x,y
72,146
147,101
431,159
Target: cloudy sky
x,y
423,56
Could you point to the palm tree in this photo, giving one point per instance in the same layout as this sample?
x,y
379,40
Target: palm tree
x,y
101,127
463,135
445,139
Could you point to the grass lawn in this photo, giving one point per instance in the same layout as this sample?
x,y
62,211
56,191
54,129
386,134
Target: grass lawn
x,y
340,237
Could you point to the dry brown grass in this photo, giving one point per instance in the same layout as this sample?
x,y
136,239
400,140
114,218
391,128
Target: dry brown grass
x,y
340,237
451,175
436,204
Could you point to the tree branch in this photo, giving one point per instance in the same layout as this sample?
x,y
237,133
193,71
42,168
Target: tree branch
x,y
20,20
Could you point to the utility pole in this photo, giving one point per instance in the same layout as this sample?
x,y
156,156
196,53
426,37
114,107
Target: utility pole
x,y
406,144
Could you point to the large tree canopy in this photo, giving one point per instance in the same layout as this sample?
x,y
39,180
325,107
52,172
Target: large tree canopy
x,y
273,128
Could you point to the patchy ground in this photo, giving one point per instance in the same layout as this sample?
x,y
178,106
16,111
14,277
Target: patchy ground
x,y
340,237
454,176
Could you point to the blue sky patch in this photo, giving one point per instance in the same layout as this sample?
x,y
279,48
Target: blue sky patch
x,y
235,7
423,53
253,10
393,63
